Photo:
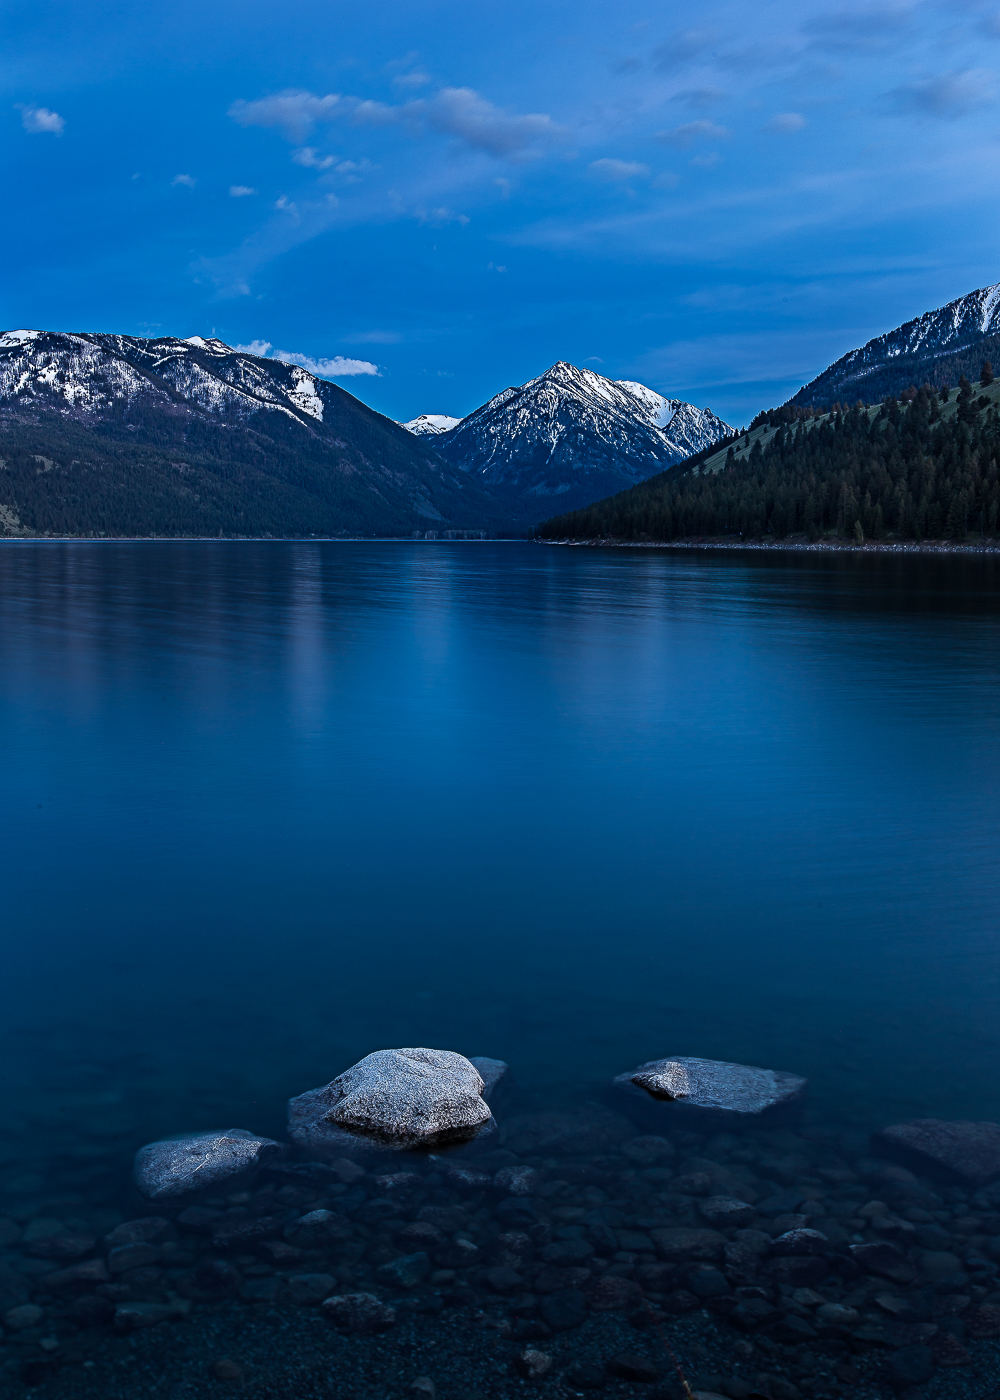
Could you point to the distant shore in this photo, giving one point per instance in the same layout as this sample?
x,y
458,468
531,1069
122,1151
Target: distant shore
x,y
813,547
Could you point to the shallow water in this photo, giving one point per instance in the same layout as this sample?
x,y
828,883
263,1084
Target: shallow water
x,y
268,807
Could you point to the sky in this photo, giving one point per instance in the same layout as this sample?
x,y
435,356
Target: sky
x,y
429,202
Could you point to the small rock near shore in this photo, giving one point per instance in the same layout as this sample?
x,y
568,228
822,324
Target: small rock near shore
x,y
361,1313
178,1166
742,1090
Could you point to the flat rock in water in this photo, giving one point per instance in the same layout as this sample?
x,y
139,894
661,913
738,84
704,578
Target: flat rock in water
x,y
393,1099
745,1091
181,1165
968,1151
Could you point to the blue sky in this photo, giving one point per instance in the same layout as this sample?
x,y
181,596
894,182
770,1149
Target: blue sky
x,y
717,201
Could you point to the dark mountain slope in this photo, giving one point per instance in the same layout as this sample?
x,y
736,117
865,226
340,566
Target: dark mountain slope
x,y
936,348
923,469
116,435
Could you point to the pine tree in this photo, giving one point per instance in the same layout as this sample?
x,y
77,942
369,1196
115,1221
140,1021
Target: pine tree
x,y
986,374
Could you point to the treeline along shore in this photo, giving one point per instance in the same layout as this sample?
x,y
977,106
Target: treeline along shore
x,y
920,468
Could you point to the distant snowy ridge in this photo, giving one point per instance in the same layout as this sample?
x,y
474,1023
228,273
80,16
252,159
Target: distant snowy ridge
x,y
85,374
569,426
430,424
931,337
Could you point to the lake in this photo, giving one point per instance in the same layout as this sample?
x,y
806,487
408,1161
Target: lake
x,y
270,806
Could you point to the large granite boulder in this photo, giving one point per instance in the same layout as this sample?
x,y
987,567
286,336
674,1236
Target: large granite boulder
x,y
395,1099
182,1165
968,1152
714,1088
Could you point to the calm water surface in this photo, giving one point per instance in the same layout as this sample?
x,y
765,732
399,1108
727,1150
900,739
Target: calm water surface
x,y
268,807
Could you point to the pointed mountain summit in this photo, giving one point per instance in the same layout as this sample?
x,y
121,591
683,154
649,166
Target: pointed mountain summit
x,y
936,348
575,435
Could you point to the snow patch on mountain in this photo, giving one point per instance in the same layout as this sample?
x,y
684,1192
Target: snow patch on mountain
x,y
949,328
86,374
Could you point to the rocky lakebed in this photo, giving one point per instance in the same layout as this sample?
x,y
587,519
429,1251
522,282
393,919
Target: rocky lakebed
x,y
692,1232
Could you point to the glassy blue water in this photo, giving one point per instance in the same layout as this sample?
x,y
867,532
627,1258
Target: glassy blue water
x,y
269,806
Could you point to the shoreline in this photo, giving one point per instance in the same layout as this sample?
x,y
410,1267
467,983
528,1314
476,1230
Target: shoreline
x,y
790,546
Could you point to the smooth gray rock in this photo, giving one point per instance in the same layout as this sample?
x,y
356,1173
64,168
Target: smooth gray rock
x,y
715,1085
393,1099
179,1166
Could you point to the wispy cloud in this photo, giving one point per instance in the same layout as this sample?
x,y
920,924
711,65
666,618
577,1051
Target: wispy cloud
x,y
617,171
336,368
39,120
311,158
699,96
188,181
785,123
873,28
411,80
294,111
691,132
373,338
241,191
947,94
255,347
682,47
461,113
437,218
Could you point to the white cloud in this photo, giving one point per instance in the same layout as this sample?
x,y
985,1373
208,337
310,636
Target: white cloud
x,y
785,123
187,180
337,368
617,171
295,112
241,191
38,120
690,132
463,113
311,158
256,347
459,112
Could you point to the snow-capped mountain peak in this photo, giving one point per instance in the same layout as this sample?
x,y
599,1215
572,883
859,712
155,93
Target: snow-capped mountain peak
x,y
571,430
430,424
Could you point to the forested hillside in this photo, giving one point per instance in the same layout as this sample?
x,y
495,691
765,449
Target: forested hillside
x,y
922,467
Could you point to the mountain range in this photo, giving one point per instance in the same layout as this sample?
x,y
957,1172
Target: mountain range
x,y
119,435
936,348
571,434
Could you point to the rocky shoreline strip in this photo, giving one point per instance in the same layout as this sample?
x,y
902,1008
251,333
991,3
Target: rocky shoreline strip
x,y
933,547
557,1252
